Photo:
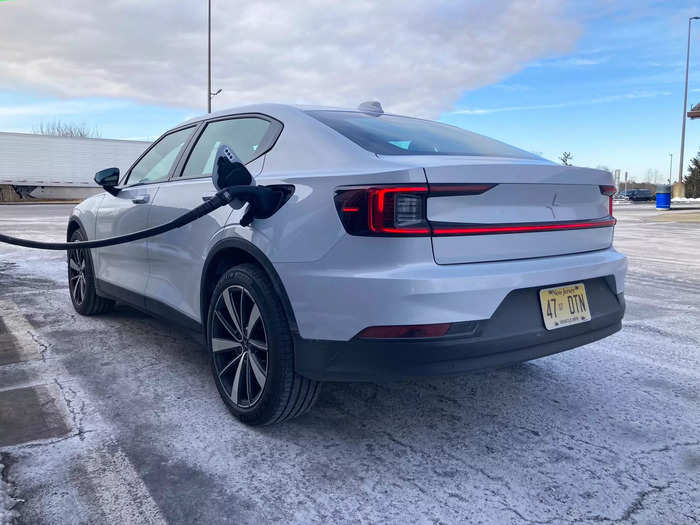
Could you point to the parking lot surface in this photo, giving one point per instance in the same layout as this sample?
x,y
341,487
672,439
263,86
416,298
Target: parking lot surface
x,y
127,426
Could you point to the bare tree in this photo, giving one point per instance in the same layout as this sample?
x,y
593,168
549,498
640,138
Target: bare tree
x,y
566,158
65,129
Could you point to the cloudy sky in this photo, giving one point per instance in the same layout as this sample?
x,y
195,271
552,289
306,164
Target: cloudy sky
x,y
600,78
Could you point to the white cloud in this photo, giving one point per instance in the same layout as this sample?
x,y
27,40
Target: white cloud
x,y
415,56
576,61
67,107
559,105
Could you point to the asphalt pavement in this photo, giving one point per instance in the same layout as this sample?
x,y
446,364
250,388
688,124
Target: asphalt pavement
x,y
115,419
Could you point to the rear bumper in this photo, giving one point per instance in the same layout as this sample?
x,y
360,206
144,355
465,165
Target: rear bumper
x,y
514,333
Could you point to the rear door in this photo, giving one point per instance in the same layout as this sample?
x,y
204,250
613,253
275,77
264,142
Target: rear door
x,y
533,209
177,257
126,265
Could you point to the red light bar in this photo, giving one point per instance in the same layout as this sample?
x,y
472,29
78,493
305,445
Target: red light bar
x,y
444,229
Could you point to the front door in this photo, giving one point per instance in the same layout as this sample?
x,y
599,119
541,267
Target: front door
x,y
126,265
177,257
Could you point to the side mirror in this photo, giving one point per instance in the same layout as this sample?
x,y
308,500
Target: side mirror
x,y
108,179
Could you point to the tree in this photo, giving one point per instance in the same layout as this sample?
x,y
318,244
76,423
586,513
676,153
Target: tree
x,y
63,129
566,158
692,181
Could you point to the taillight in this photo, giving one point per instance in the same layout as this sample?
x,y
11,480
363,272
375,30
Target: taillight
x,y
394,210
609,191
391,210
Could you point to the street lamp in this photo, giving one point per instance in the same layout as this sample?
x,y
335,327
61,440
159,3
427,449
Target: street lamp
x,y
670,167
210,95
685,99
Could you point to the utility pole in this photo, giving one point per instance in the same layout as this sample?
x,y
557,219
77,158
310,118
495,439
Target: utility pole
x,y
685,99
670,167
209,65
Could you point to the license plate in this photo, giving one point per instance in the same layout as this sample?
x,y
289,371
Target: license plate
x,y
564,305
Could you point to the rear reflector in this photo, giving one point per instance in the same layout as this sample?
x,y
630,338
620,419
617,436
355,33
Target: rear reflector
x,y
404,331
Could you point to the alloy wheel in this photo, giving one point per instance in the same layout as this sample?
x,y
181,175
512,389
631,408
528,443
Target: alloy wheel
x,y
239,345
77,280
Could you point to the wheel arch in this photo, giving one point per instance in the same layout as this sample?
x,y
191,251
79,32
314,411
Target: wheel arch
x,y
74,224
228,253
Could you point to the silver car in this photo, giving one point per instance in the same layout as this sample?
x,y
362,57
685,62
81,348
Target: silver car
x,y
403,247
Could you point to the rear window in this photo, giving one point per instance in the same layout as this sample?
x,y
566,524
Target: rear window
x,y
393,135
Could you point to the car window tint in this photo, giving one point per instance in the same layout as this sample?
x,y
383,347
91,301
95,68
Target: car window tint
x,y
242,135
155,165
394,135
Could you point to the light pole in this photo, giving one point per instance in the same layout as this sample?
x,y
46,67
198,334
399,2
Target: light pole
x,y
210,95
670,167
685,99
209,63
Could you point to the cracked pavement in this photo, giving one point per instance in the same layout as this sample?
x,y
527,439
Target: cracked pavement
x,y
604,433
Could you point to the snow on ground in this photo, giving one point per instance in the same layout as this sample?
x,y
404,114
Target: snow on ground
x,y
7,502
603,433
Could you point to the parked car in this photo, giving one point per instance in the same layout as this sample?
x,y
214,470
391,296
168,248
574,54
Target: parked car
x,y
641,195
405,248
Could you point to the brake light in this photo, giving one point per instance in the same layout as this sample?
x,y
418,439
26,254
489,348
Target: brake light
x,y
609,191
391,210
394,210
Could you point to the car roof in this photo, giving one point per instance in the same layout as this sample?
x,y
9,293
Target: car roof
x,y
270,109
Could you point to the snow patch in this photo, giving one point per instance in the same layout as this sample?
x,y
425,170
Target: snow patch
x,y
7,502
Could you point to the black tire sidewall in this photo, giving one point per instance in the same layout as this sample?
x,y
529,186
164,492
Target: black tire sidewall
x,y
86,306
280,368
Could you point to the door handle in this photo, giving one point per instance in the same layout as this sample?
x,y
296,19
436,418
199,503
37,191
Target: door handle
x,y
140,199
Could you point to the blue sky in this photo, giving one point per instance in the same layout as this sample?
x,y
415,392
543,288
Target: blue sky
x,y
613,98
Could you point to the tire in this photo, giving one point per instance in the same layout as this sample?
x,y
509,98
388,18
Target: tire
x,y
259,387
81,281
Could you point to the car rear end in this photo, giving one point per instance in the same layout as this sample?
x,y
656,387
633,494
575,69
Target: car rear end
x,y
489,260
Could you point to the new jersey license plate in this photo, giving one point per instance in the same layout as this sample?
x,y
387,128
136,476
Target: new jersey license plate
x,y
564,305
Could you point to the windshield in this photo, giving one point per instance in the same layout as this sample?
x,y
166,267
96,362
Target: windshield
x,y
393,135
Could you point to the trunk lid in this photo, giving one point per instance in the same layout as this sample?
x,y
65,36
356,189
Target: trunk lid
x,y
527,193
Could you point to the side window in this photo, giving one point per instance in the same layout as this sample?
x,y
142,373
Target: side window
x,y
243,135
155,165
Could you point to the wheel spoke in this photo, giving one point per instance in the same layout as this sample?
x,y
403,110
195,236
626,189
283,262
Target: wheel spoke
x,y
75,289
235,387
231,364
254,316
232,310
262,345
83,284
247,378
219,345
228,327
258,371
74,264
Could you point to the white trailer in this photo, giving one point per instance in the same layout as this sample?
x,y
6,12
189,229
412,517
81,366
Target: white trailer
x,y
60,167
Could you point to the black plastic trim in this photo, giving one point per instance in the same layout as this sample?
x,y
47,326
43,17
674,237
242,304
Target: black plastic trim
x,y
145,304
514,333
260,258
